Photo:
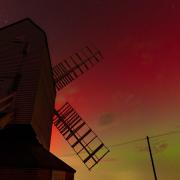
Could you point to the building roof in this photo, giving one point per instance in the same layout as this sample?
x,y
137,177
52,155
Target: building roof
x,y
25,151
25,20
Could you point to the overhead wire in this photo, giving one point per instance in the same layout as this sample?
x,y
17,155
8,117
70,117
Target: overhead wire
x,y
132,141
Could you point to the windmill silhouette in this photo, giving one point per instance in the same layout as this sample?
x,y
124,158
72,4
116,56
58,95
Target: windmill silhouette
x,y
28,86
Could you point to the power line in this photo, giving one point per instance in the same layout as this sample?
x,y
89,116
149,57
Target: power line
x,y
165,134
125,143
141,139
132,141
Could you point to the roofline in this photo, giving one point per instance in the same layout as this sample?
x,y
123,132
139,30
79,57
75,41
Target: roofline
x,y
22,20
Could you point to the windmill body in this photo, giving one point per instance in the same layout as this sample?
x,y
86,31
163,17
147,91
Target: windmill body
x,y
27,97
33,101
28,85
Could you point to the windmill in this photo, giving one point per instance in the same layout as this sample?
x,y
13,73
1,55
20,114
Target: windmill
x,y
74,129
26,115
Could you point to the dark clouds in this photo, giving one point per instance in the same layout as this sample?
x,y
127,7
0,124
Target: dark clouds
x,y
106,119
157,147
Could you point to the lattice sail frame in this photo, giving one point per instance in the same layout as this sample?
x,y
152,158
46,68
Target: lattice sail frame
x,y
71,68
79,135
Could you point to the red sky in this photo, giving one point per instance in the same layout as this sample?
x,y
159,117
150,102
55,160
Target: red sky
x,y
134,91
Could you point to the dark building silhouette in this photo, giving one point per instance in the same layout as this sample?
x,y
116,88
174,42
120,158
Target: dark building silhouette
x,y
27,97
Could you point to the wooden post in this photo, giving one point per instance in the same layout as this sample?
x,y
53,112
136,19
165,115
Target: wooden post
x,y
152,161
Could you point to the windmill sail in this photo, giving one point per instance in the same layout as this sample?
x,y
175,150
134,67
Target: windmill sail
x,y
81,138
70,69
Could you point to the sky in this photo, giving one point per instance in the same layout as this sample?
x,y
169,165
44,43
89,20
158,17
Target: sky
x,y
132,93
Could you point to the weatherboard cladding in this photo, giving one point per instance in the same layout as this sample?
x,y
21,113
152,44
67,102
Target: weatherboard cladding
x,y
28,66
26,91
9,60
44,104
36,84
